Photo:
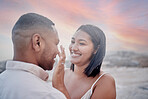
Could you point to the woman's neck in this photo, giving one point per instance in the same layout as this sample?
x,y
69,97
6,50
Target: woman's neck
x,y
79,70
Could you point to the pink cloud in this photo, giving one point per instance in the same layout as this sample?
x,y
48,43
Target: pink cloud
x,y
124,24
69,14
69,10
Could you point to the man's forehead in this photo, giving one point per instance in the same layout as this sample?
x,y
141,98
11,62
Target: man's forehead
x,y
52,32
54,29
55,34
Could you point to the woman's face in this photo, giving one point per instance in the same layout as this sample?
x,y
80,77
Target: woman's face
x,y
81,48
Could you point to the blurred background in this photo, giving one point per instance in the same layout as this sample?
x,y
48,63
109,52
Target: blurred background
x,y
124,22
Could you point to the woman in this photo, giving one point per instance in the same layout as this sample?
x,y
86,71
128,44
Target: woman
x,y
85,79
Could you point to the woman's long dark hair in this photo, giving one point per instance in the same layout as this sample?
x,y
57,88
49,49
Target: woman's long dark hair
x,y
99,41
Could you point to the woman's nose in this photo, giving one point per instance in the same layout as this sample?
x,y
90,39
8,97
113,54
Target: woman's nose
x,y
74,47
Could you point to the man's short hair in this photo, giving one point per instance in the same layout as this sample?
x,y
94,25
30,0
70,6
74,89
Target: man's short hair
x,y
30,20
27,25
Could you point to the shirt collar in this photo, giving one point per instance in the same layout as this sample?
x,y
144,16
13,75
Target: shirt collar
x,y
32,68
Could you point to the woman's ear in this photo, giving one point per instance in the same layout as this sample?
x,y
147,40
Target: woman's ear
x,y
36,42
95,51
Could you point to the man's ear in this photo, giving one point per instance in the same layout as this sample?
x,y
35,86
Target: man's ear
x,y
36,42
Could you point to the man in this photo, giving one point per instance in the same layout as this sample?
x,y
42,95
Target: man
x,y
35,41
2,66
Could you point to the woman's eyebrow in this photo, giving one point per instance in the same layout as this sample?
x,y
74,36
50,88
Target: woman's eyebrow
x,y
79,39
82,40
73,38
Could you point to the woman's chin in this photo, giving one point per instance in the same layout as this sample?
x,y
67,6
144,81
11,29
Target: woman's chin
x,y
74,62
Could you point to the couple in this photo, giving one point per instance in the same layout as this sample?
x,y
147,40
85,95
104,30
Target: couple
x,y
35,41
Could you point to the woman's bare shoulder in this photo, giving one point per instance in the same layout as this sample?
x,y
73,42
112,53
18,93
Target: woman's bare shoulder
x,y
105,88
108,78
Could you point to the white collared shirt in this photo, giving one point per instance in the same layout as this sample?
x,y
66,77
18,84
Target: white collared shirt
x,y
23,80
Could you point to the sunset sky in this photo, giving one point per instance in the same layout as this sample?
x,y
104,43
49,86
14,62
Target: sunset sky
x,y
124,22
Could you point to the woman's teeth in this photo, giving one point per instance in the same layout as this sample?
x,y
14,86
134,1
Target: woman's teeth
x,y
74,54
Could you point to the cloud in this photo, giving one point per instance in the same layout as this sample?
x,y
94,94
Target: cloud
x,y
129,25
127,20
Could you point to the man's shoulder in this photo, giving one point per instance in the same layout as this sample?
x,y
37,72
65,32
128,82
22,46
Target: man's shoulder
x,y
29,84
2,66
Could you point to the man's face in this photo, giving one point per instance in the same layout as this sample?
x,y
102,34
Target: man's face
x,y
50,51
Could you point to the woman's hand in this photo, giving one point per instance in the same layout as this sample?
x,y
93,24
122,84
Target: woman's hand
x,y
58,75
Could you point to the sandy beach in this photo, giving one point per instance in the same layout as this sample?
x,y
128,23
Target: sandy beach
x,y
131,82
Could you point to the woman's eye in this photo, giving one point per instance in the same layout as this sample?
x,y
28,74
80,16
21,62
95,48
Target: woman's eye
x,y
72,42
82,43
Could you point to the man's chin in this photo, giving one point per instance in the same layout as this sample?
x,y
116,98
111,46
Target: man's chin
x,y
50,68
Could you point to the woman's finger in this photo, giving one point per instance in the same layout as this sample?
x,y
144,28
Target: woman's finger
x,y
62,54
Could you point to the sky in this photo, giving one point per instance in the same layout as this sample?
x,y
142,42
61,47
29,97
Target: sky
x,y
124,22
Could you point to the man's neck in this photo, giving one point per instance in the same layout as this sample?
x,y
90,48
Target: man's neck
x,y
25,58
